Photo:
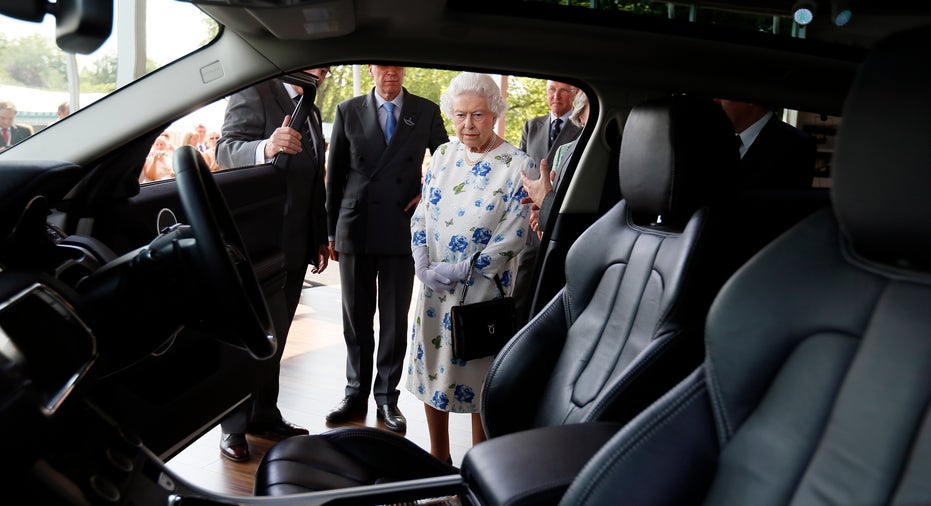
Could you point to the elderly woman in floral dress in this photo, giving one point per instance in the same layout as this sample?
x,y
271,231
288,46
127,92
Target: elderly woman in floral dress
x,y
470,204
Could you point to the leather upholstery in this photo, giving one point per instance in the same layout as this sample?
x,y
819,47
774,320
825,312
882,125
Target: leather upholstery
x,y
673,159
888,216
815,384
626,327
341,458
513,470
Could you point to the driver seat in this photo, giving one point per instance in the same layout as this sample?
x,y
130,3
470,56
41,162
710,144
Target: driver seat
x,y
815,388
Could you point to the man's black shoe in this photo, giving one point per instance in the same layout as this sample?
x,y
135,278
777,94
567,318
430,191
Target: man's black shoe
x,y
233,446
281,429
393,418
348,409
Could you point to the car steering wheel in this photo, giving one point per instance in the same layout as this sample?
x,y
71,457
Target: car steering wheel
x,y
221,258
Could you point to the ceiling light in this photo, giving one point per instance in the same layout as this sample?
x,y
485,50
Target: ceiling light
x,y
803,12
840,12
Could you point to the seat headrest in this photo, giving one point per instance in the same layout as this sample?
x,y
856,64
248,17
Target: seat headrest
x,y
881,188
677,154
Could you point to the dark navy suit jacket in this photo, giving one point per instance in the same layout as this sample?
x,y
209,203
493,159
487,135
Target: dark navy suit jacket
x,y
781,157
370,181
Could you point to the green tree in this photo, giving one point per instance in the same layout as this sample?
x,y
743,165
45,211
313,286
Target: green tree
x,y
34,62
526,99
100,75
211,28
4,57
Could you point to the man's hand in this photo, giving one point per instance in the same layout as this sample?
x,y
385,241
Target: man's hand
x,y
537,188
323,259
334,256
283,140
535,220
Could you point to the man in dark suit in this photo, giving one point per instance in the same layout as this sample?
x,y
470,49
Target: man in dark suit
x,y
11,133
541,192
540,138
255,130
773,154
374,174
776,169
543,135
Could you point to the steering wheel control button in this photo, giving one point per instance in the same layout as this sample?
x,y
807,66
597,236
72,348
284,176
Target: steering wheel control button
x,y
105,489
119,461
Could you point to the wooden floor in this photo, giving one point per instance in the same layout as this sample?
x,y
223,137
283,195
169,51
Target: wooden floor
x,y
312,381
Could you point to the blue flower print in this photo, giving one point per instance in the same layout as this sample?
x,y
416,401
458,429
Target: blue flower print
x,y
490,207
464,393
427,178
440,400
419,352
435,195
421,390
479,203
482,261
458,243
520,232
460,212
481,169
481,235
420,238
506,278
431,312
521,193
447,324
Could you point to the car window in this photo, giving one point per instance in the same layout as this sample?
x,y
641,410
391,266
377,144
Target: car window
x,y
40,84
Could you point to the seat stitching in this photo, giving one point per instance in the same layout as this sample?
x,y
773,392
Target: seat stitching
x,y
618,455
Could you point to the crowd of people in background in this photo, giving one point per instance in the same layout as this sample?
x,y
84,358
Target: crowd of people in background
x,y
12,132
158,164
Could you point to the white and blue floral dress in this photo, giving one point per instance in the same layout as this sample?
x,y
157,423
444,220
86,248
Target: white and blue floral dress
x,y
463,210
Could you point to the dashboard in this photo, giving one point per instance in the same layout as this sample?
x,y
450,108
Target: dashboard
x,y
45,347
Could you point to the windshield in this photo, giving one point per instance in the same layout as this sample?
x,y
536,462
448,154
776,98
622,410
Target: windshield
x,y
40,84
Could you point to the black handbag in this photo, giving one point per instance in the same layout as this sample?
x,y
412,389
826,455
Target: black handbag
x,y
481,329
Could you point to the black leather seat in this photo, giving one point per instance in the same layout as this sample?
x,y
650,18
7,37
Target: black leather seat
x,y
815,388
626,327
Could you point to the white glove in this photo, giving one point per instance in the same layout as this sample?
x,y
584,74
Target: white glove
x,y
456,272
427,275
421,261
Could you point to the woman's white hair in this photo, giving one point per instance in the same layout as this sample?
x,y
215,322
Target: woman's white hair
x,y
579,103
474,84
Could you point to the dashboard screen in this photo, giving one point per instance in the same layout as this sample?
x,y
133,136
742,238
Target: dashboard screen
x,y
44,344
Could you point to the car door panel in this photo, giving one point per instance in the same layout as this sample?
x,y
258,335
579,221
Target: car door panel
x,y
170,412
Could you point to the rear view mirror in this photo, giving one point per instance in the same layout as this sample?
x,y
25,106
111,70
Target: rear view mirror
x,y
82,26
